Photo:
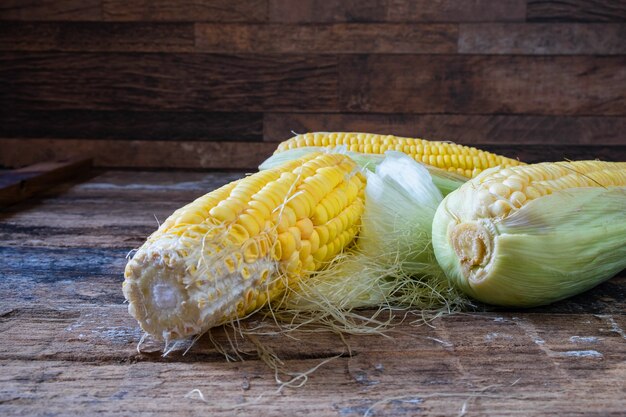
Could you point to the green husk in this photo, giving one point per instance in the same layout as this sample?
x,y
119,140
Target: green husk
x,y
552,248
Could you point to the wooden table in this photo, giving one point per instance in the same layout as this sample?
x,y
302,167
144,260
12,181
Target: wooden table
x,y
68,345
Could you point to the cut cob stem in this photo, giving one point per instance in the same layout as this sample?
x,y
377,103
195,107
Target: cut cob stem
x,y
232,251
535,234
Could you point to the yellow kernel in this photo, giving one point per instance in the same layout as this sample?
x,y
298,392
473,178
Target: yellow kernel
x,y
287,244
306,227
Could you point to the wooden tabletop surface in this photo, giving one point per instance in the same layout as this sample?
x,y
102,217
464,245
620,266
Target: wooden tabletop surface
x,y
69,347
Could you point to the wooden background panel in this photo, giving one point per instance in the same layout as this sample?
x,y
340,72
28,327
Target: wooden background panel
x,y
576,10
468,129
327,38
97,36
125,125
507,73
316,11
483,84
50,10
116,81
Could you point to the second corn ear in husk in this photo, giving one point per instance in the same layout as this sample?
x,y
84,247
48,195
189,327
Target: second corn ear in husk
x,y
532,235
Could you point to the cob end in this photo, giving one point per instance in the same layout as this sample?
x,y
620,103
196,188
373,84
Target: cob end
x,y
473,245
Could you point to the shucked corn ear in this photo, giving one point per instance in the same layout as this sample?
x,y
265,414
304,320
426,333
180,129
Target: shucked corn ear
x,y
534,234
237,248
460,159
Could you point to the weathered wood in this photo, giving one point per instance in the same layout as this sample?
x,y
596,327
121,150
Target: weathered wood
x,y
543,39
306,11
138,153
466,129
185,10
333,38
494,360
20,184
124,125
576,11
96,36
546,153
50,10
483,84
101,81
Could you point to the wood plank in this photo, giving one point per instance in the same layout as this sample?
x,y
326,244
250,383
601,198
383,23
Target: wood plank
x,y
327,38
543,39
185,10
116,209
483,84
97,36
576,11
308,11
23,183
138,153
144,81
498,358
113,335
546,153
50,10
156,125
466,129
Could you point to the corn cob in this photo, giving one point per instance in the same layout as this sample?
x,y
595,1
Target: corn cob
x,y
463,160
237,248
534,234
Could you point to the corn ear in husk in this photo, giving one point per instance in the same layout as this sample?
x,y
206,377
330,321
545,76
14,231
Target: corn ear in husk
x,y
552,247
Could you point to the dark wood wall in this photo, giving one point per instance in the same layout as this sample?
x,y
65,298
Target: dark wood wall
x,y
215,83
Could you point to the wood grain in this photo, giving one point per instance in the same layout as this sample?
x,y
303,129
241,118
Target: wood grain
x,y
138,153
185,10
20,184
143,81
327,38
308,11
576,11
467,129
96,36
124,125
543,39
50,10
483,84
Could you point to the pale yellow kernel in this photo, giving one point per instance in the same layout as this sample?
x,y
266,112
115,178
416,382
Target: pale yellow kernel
x,y
500,208
277,251
531,193
223,212
305,250
260,208
320,215
250,249
238,234
250,223
514,184
189,217
322,232
517,199
500,190
287,244
314,239
293,264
